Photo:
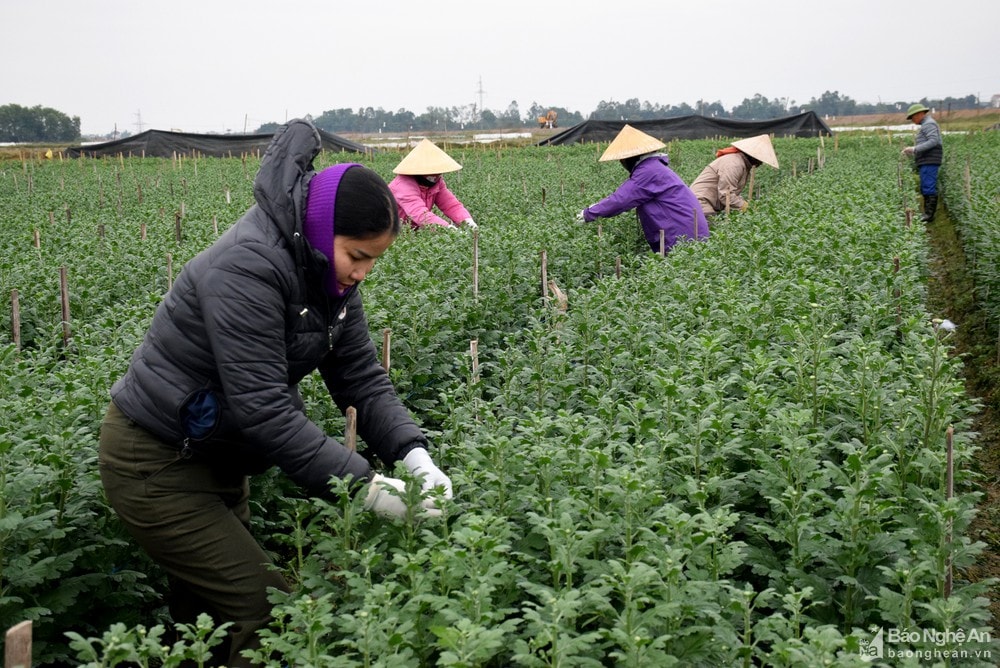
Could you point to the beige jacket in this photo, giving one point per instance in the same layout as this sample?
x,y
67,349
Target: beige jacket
x,y
726,175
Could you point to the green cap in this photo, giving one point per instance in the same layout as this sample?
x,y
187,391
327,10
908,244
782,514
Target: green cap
x,y
915,109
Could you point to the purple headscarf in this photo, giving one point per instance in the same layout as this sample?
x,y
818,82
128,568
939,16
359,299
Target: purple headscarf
x,y
318,225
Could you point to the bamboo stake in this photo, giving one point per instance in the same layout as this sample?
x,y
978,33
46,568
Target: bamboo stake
x,y
618,267
753,172
64,298
475,264
351,429
562,303
545,284
15,318
663,243
37,239
142,231
896,295
949,493
968,180
474,353
386,351
215,225
17,646
177,227
170,271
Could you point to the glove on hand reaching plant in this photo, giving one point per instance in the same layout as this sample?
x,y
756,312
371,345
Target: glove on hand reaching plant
x,y
418,462
385,498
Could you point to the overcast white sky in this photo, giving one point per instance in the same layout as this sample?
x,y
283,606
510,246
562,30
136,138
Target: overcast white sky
x,y
220,65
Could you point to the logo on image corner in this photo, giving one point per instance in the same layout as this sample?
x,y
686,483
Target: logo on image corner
x,y
874,648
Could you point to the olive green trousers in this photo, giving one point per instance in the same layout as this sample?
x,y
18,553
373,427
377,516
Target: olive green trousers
x,y
192,518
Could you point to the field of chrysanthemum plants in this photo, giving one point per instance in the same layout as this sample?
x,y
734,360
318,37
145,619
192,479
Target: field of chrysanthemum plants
x,y
754,451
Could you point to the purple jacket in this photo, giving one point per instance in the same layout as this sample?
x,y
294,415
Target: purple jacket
x,y
662,200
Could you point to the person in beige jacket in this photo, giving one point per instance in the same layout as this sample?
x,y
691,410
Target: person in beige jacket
x,y
722,181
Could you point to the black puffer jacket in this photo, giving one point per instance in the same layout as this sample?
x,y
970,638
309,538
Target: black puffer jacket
x,y
246,320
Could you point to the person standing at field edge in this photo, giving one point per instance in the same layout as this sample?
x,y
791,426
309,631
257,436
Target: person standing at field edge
x,y
660,197
211,394
720,185
928,153
419,187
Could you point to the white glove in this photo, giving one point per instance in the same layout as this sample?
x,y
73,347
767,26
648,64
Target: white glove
x,y
579,217
908,150
418,462
471,224
385,498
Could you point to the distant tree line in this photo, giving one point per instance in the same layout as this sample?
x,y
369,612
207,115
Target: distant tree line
x,y
42,124
831,103
37,124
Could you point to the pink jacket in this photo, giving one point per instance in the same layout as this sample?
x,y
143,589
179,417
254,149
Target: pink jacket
x,y
416,202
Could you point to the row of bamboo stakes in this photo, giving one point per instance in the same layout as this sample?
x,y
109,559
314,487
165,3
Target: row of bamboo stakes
x,y
547,285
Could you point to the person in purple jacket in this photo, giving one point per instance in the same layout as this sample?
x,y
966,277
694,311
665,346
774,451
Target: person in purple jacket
x,y
668,210
419,188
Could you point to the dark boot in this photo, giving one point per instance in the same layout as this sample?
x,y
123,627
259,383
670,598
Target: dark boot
x,y
930,206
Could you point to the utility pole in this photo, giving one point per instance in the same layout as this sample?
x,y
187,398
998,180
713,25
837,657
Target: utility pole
x,y
480,93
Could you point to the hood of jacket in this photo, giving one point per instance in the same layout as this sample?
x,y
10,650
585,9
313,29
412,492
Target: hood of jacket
x,y
282,182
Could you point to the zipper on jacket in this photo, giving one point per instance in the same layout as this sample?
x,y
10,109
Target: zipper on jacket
x,y
186,451
342,303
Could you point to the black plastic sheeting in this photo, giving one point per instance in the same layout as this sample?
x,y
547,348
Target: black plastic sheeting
x,y
806,124
162,144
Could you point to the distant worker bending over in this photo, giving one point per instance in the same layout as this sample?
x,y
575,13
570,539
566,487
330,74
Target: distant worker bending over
x,y
419,187
722,181
660,197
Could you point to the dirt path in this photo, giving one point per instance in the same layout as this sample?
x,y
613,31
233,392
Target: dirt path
x,y
951,295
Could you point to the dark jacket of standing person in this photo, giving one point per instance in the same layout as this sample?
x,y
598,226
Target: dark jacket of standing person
x,y
928,153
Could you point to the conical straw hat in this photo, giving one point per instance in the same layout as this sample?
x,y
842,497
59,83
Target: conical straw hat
x,y
629,143
758,147
424,159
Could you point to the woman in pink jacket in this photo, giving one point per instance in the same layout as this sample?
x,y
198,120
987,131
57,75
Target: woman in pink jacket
x,y
419,187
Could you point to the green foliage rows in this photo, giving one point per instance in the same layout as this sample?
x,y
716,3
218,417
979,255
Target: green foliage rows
x,y
733,455
970,180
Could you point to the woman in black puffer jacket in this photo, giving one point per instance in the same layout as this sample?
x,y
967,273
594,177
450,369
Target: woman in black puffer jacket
x,y
210,394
